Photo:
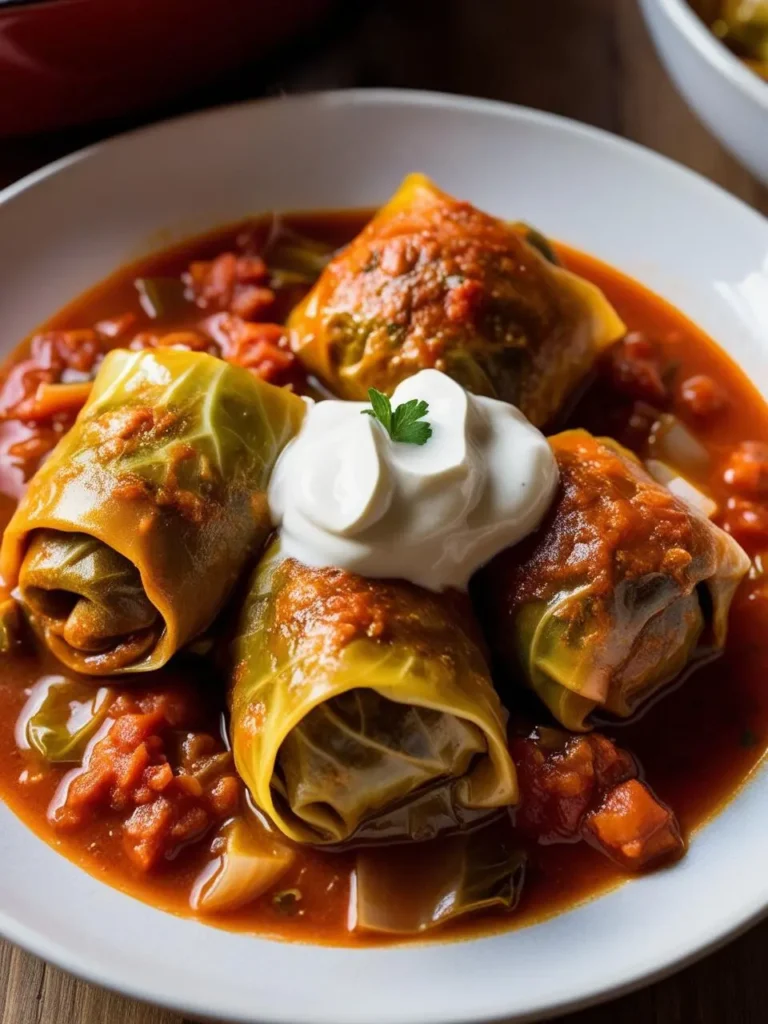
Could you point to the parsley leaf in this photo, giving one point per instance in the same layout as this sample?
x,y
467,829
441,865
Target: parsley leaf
x,y
382,409
405,423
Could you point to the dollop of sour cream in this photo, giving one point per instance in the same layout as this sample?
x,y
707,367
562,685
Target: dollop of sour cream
x,y
345,494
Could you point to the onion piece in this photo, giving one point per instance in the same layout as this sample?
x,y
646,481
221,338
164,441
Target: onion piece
x,y
681,488
672,442
251,863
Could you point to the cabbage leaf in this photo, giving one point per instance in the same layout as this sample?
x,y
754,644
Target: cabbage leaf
x,y
162,479
406,890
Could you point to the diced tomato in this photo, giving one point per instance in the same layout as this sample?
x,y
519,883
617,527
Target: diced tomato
x,y
634,828
559,786
252,302
80,350
612,764
747,469
127,770
701,396
146,831
586,787
225,795
40,397
747,521
27,444
636,368
159,777
116,327
262,348
55,357
232,283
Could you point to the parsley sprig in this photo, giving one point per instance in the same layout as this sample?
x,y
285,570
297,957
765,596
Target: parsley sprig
x,y
405,423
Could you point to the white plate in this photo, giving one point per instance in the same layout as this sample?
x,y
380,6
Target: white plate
x,y
67,226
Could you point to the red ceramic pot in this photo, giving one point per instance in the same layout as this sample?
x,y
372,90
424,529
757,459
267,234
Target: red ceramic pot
x,y
64,62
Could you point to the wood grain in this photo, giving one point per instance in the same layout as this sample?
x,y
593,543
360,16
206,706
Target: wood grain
x,y
588,59
35,993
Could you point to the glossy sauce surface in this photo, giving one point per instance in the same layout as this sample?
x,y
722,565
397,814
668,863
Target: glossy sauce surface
x,y
696,745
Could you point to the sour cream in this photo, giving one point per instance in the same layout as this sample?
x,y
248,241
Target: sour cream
x,y
345,494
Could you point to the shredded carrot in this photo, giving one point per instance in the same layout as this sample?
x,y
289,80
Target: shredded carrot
x,y
51,399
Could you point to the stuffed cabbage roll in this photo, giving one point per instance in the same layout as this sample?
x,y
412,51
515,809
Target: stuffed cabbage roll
x,y
363,706
621,586
432,282
132,533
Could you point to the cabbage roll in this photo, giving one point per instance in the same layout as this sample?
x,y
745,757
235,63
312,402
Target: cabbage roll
x,y
432,282
363,707
135,529
615,594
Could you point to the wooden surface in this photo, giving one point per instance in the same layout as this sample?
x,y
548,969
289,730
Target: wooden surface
x,y
587,59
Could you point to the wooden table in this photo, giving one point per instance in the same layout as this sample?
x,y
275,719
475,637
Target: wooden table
x,y
587,59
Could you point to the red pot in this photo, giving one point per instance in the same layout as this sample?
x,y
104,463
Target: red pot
x,y
68,61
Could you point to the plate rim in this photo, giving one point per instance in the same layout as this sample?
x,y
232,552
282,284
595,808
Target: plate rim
x,y
405,96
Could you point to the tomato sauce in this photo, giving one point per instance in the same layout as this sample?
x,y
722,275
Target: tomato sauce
x,y
695,746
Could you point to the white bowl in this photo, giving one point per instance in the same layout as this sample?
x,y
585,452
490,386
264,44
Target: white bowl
x,y
731,100
67,226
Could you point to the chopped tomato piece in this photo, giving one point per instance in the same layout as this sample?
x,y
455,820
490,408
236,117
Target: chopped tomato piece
x,y
145,833
262,348
586,787
747,469
562,779
636,368
78,350
27,444
634,828
747,521
701,396
128,771
236,284
252,302
116,326
68,357
225,795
